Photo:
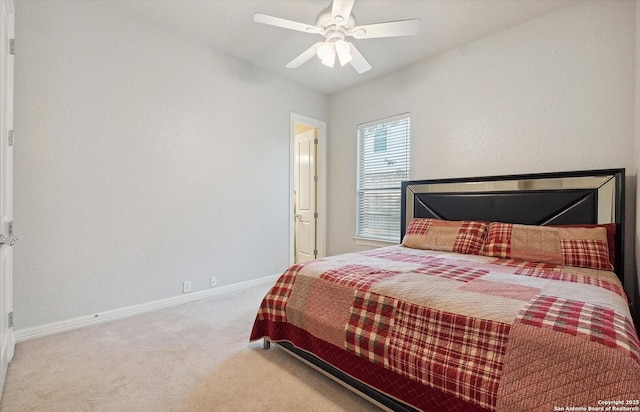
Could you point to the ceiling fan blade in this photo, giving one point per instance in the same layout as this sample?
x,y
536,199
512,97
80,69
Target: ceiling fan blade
x,y
387,29
286,24
304,57
342,9
358,62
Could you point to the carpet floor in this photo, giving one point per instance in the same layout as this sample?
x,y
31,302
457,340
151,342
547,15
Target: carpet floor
x,y
192,357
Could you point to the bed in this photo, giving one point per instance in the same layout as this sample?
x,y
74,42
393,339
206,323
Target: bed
x,y
506,294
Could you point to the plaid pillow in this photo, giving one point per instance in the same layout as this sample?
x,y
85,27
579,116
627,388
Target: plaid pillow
x,y
586,253
449,236
582,247
498,241
611,229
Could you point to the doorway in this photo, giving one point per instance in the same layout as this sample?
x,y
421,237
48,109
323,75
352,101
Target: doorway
x,y
308,189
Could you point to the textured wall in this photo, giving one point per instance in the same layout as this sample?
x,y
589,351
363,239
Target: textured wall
x,y
554,94
145,159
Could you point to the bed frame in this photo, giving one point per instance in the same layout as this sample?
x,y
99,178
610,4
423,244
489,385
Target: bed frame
x,y
583,197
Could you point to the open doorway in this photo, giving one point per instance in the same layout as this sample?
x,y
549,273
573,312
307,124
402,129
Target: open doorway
x,y
308,188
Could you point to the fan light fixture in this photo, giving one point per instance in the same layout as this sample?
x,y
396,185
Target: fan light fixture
x,y
327,53
328,50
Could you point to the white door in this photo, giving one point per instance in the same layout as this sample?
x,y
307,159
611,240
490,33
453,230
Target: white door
x,y
305,193
7,340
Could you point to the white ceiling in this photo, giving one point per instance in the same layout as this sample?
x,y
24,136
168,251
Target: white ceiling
x,y
227,25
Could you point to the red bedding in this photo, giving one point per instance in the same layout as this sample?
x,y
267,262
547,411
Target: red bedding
x,y
462,332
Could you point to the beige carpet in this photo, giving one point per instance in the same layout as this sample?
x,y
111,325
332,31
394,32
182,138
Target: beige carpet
x,y
193,357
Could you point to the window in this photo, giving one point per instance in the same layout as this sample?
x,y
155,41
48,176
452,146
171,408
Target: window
x,y
383,163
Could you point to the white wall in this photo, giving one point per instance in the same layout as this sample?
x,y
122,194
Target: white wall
x,y
554,94
144,159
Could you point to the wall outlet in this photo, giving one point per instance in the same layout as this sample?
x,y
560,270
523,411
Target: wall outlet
x,y
186,286
214,281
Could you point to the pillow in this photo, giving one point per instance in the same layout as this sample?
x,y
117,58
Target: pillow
x,y
449,236
611,237
573,246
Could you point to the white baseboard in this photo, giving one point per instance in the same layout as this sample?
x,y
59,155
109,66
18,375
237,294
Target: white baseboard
x,y
65,325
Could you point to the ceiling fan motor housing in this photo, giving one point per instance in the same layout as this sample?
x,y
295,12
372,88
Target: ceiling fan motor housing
x,y
325,20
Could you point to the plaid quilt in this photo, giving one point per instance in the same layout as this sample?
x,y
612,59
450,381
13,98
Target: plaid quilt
x,y
451,331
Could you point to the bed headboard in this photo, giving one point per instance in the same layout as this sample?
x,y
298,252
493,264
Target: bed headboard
x,y
582,197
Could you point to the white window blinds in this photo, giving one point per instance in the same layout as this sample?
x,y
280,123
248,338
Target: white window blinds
x,y
383,163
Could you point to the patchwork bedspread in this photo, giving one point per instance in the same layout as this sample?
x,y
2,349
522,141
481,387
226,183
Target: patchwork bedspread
x,y
462,332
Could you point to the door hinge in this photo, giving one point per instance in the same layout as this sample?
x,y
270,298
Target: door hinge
x,y
315,215
315,253
12,46
10,319
10,228
11,138
315,141
315,179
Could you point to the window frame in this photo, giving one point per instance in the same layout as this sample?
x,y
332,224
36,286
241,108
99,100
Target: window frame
x,y
362,237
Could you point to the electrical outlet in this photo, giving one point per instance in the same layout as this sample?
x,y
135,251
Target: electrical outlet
x,y
214,281
186,286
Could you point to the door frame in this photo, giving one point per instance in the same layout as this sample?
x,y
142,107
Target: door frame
x,y
7,345
321,194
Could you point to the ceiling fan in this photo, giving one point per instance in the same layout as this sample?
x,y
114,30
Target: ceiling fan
x,y
336,23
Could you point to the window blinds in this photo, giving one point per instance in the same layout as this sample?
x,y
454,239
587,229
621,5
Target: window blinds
x,y
383,163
